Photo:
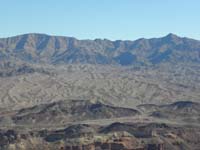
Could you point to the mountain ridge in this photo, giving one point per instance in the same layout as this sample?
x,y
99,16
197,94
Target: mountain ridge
x,y
43,48
83,39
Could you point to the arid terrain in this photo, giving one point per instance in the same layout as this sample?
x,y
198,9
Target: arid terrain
x,y
69,94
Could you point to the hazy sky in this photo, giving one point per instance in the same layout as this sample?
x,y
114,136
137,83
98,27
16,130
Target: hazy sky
x,y
90,19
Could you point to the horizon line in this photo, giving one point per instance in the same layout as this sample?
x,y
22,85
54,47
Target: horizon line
x,y
55,35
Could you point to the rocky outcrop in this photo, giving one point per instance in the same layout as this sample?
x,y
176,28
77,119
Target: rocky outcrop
x,y
164,137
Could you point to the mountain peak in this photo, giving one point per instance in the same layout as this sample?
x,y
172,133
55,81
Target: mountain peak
x,y
172,36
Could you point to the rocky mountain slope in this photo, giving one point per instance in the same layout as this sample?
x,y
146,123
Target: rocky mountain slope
x,y
41,48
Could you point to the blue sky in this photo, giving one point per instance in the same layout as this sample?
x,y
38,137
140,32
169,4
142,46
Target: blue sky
x,y
111,19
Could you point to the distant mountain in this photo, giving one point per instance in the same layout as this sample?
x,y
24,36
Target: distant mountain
x,y
41,48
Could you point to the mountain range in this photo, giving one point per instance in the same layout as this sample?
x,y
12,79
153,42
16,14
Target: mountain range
x,y
42,48
63,93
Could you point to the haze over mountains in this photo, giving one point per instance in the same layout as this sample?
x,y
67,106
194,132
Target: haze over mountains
x,y
41,48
